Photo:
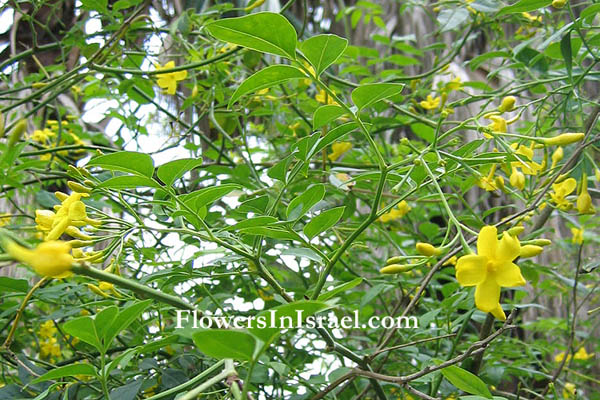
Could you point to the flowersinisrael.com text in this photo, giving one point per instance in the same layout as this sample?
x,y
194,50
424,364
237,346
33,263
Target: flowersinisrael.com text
x,y
270,319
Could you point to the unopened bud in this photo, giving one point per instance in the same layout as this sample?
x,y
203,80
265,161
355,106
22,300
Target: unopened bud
x,y
396,269
79,243
516,230
541,242
508,104
393,260
558,4
17,133
530,250
78,187
563,139
427,249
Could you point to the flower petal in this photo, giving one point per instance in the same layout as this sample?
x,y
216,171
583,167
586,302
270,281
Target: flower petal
x,y
471,270
498,312
487,295
487,241
509,275
509,248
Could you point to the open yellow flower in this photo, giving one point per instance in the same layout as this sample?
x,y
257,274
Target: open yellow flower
x,y
47,329
47,259
397,212
339,149
525,154
584,200
491,269
577,235
582,354
561,191
431,103
168,80
324,98
570,390
517,179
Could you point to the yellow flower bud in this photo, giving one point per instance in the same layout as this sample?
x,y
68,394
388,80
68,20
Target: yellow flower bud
x,y
508,104
17,133
427,249
78,187
96,290
79,243
558,4
584,200
530,250
563,139
393,260
395,269
516,230
1,125
252,6
517,179
541,242
38,85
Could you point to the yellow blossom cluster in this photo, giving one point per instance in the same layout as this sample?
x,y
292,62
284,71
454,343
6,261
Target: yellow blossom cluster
x,y
168,80
397,212
65,218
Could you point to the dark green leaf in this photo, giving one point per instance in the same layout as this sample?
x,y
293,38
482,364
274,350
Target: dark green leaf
x,y
221,343
264,31
323,221
126,161
524,6
84,329
301,204
323,50
13,285
369,94
565,49
173,170
67,371
466,381
339,289
265,78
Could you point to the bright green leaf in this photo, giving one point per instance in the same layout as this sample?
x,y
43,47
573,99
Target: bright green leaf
x,y
466,381
128,182
323,221
325,114
221,343
369,94
265,78
67,371
264,31
301,204
173,170
126,161
323,50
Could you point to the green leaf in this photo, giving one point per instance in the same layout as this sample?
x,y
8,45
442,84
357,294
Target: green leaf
x,y
264,31
369,94
128,182
336,133
566,51
451,18
95,5
173,170
203,197
301,204
524,6
339,289
466,381
265,78
279,170
104,319
423,131
13,285
222,343
124,319
323,50
323,221
67,370
325,114
248,223
266,326
84,329
126,161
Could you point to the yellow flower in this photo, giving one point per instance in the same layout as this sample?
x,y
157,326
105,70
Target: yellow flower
x,y
498,124
582,354
454,84
557,155
5,219
47,329
517,179
491,183
584,200
450,261
431,103
558,4
529,166
324,98
70,213
339,149
168,80
560,356
50,348
561,191
532,18
491,269
41,136
577,235
48,258
398,212
569,391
